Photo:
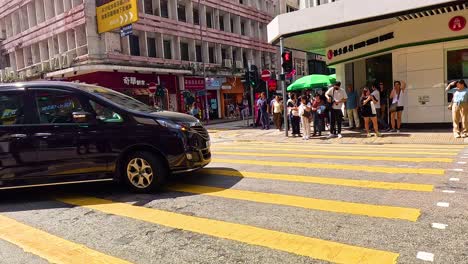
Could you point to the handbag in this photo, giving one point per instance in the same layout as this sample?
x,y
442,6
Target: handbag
x,y
393,107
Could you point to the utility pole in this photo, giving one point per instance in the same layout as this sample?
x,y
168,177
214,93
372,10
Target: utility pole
x,y
252,98
207,110
285,98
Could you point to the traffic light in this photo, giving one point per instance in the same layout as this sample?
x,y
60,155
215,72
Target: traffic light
x,y
253,76
287,61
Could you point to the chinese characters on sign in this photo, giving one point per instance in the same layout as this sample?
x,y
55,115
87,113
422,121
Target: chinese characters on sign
x,y
194,83
116,14
133,81
350,48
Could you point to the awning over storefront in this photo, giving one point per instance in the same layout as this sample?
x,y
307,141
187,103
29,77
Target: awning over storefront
x,y
315,29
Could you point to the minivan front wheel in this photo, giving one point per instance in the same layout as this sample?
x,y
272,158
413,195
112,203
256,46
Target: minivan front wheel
x,y
144,171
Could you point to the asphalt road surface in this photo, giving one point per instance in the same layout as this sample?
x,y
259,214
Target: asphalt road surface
x,y
258,202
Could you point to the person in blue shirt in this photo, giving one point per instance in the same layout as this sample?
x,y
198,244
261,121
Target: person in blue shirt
x,y
352,107
459,108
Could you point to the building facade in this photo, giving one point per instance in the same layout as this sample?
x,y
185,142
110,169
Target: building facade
x,y
424,43
197,50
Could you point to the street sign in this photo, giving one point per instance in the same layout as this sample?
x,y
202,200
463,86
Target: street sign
x,y
126,30
266,75
152,87
116,14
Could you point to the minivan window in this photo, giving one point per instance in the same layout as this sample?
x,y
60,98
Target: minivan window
x,y
105,114
11,109
56,106
119,99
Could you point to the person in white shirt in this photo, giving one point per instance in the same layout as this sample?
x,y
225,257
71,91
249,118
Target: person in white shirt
x,y
336,96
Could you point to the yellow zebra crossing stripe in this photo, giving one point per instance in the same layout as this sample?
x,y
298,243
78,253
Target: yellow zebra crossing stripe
x,y
391,212
312,156
323,180
296,244
353,146
49,247
316,149
378,169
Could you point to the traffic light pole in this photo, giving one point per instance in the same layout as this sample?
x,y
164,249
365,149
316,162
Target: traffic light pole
x,y
285,95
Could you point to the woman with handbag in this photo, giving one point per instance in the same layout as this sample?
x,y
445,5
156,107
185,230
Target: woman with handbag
x,y
459,107
369,112
396,108
305,113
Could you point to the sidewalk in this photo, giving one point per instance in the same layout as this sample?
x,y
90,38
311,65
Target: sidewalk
x,y
238,131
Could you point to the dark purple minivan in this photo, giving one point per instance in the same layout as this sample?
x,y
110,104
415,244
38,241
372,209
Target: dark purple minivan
x,y
60,133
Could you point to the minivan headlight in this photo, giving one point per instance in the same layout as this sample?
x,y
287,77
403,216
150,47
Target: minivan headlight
x,y
172,125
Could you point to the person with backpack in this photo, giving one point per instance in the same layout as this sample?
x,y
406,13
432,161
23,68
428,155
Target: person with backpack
x,y
336,96
318,109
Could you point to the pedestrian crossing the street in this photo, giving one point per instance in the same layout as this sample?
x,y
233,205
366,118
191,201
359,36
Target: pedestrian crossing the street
x,y
343,203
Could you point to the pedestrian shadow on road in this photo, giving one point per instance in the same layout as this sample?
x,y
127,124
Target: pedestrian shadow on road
x,y
40,198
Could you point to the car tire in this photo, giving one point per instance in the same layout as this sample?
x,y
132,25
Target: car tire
x,y
144,172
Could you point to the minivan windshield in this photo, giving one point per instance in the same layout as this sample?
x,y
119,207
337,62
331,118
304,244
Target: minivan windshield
x,y
118,98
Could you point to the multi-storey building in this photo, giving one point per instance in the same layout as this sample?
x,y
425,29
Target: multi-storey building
x,y
184,45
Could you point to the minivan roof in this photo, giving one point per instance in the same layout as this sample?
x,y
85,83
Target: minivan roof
x,y
39,84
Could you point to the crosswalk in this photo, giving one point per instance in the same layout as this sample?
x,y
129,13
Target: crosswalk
x,y
379,191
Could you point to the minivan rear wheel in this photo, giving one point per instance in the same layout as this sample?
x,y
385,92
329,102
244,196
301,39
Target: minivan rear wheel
x,y
144,171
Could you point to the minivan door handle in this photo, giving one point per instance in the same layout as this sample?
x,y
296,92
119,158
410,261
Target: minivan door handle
x,y
42,134
18,136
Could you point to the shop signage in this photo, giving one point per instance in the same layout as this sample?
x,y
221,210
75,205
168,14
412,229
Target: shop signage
x,y
424,99
214,83
194,83
318,57
116,14
130,80
352,47
125,31
226,86
457,23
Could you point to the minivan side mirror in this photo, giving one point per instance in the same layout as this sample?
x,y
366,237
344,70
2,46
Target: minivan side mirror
x,y
82,117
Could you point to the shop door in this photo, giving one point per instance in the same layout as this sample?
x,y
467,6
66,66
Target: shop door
x,y
379,69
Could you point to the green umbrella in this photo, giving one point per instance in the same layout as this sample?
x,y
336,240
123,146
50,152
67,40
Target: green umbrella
x,y
310,82
332,77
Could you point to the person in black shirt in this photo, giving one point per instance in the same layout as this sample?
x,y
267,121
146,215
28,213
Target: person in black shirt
x,y
368,111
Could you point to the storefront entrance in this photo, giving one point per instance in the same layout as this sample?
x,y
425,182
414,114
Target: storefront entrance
x,y
379,69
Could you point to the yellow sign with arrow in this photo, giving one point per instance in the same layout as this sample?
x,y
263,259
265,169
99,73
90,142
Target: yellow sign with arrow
x,y
116,14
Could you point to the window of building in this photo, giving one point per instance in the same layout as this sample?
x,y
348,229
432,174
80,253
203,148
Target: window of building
x,y
242,28
457,66
290,9
196,17
151,43
184,51
181,13
221,23
209,20
56,107
299,65
167,49
241,2
134,45
149,7
198,53
11,108
223,54
211,54
232,25
164,9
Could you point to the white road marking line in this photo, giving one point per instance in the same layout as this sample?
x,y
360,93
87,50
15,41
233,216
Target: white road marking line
x,y
459,170
426,256
439,226
443,204
448,191
454,179
461,162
